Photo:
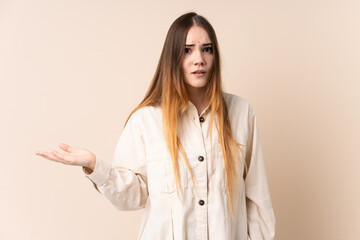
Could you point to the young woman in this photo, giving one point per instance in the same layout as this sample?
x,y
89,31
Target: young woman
x,y
189,153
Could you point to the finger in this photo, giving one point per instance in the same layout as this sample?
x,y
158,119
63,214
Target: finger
x,y
49,156
65,147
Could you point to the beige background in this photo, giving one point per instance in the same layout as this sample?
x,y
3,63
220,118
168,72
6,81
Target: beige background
x,y
71,71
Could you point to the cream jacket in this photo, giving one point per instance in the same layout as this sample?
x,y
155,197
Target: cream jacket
x,y
141,177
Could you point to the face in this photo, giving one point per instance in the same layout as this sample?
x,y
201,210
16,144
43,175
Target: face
x,y
198,58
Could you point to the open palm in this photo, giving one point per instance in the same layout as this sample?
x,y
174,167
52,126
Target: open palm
x,y
72,156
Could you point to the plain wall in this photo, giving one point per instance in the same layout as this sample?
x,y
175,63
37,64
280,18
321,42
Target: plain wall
x,y
71,71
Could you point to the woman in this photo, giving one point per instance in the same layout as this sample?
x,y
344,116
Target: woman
x,y
189,153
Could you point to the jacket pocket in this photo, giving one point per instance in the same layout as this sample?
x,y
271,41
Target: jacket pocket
x,y
161,178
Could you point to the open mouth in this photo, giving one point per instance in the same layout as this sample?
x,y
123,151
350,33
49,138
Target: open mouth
x,y
199,73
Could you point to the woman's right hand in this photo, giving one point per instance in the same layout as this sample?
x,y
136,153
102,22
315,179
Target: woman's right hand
x,y
72,156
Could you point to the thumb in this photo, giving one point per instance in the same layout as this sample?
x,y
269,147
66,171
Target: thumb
x,y
65,147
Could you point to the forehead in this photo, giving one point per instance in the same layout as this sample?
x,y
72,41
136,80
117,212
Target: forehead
x,y
196,35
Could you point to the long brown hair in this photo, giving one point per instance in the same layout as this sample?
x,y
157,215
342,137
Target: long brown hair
x,y
168,90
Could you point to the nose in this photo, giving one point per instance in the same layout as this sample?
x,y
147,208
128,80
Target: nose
x,y
198,58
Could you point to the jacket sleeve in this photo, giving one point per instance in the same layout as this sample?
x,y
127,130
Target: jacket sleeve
x,y
124,182
260,215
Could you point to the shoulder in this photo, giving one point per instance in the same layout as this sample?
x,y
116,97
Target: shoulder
x,y
145,116
234,99
145,112
242,117
238,105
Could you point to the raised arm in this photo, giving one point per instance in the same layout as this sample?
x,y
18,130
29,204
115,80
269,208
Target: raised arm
x,y
124,182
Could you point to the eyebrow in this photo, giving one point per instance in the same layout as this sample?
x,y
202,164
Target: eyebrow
x,y
204,45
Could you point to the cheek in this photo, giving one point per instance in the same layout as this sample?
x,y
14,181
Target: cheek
x,y
210,60
185,66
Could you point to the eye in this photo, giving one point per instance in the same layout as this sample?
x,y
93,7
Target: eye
x,y
208,49
187,50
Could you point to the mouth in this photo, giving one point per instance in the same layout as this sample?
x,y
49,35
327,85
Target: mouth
x,y
199,73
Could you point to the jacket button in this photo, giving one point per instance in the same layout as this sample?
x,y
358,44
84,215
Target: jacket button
x,y
201,158
201,119
201,202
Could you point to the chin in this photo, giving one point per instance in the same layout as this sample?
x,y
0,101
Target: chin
x,y
196,85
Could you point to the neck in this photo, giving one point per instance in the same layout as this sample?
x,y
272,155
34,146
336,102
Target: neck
x,y
198,98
